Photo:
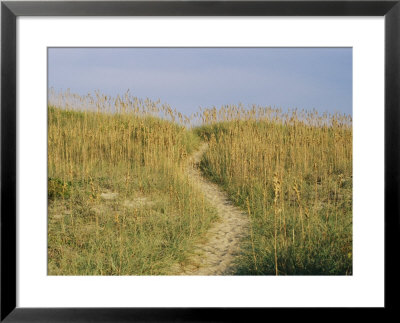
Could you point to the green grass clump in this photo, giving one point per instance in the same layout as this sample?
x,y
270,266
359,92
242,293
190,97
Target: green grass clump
x,y
58,189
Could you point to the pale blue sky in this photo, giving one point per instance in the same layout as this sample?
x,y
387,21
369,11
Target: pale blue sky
x,y
189,78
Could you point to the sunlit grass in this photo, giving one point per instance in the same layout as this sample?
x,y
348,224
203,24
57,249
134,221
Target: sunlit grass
x,y
292,173
120,202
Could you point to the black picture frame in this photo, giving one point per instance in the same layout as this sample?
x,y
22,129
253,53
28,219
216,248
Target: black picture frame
x,y
10,10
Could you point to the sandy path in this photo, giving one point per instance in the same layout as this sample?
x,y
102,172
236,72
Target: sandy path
x,y
216,255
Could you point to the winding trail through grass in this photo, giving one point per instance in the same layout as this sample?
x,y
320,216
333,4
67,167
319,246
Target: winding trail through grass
x,y
215,255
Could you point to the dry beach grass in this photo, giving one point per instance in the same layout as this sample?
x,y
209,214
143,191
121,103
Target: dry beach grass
x,y
135,190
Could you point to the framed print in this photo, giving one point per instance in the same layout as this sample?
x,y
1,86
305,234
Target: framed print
x,y
173,160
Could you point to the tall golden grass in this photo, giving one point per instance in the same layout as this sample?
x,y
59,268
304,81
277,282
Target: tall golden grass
x,y
120,202
292,173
